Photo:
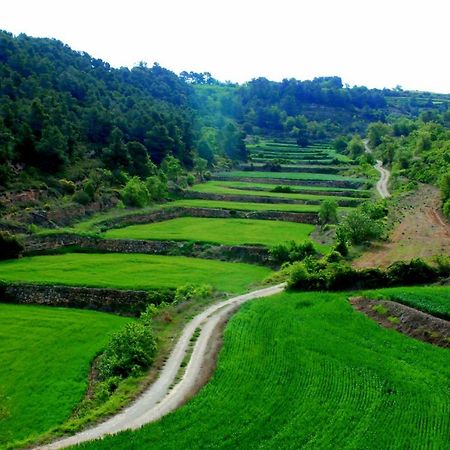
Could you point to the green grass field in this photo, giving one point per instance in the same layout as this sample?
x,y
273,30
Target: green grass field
x,y
289,176
268,186
246,206
303,370
45,354
131,271
431,299
221,231
212,188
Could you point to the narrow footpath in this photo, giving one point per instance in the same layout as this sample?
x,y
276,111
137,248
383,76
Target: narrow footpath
x,y
384,174
161,398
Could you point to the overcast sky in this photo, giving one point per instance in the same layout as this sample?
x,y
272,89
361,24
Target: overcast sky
x,y
377,43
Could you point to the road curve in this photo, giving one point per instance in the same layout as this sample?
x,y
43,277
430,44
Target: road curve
x,y
158,400
383,181
384,174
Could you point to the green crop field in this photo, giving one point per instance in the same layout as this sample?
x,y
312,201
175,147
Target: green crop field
x,y
222,231
289,176
268,186
431,299
45,354
246,206
212,188
131,271
303,370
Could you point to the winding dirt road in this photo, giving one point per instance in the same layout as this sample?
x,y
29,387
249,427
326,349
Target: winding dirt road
x,y
160,399
384,174
383,181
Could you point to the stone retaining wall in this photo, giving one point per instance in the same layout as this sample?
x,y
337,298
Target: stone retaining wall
x,y
244,253
172,213
108,300
324,183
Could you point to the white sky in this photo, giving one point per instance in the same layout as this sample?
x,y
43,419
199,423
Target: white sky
x,y
377,43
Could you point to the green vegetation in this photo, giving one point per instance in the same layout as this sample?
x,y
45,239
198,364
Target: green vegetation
x,y
10,247
247,206
430,299
223,190
290,176
222,231
131,271
306,371
44,364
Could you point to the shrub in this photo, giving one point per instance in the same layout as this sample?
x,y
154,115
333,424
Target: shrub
x,y
130,350
190,291
135,193
415,271
190,179
10,246
207,175
358,227
81,197
283,189
291,251
67,186
328,212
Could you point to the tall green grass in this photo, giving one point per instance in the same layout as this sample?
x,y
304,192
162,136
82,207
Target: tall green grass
x,y
306,371
131,271
45,354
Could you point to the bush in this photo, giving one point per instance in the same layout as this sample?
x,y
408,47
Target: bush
x,y
314,275
328,212
282,189
81,197
190,291
130,350
10,246
358,227
292,252
67,186
135,193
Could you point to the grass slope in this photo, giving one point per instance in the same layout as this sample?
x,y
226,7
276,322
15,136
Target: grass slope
x,y
431,299
215,189
131,271
222,231
289,176
306,371
45,354
247,206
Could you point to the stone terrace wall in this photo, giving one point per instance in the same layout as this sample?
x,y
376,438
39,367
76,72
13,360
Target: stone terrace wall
x,y
262,199
325,183
244,253
172,213
108,300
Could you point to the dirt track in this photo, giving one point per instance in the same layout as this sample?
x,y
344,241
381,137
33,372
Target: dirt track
x,y
383,181
159,399
420,231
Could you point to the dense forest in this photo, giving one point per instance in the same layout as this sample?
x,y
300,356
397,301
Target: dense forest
x,y
68,120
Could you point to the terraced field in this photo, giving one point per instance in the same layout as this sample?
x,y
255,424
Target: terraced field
x,y
246,206
303,370
44,363
221,231
289,176
430,299
131,271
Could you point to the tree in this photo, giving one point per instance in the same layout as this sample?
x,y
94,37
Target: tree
x,y
52,150
359,228
376,132
356,147
328,212
135,193
140,163
116,155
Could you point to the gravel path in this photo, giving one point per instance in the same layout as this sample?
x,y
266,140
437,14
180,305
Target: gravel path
x,y
384,174
158,400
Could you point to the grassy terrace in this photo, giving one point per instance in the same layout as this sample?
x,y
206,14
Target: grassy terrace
x,y
289,176
131,271
212,188
269,186
44,364
245,206
431,299
303,370
221,231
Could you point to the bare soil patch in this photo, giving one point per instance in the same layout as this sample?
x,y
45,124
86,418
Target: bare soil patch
x,y
419,231
406,320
